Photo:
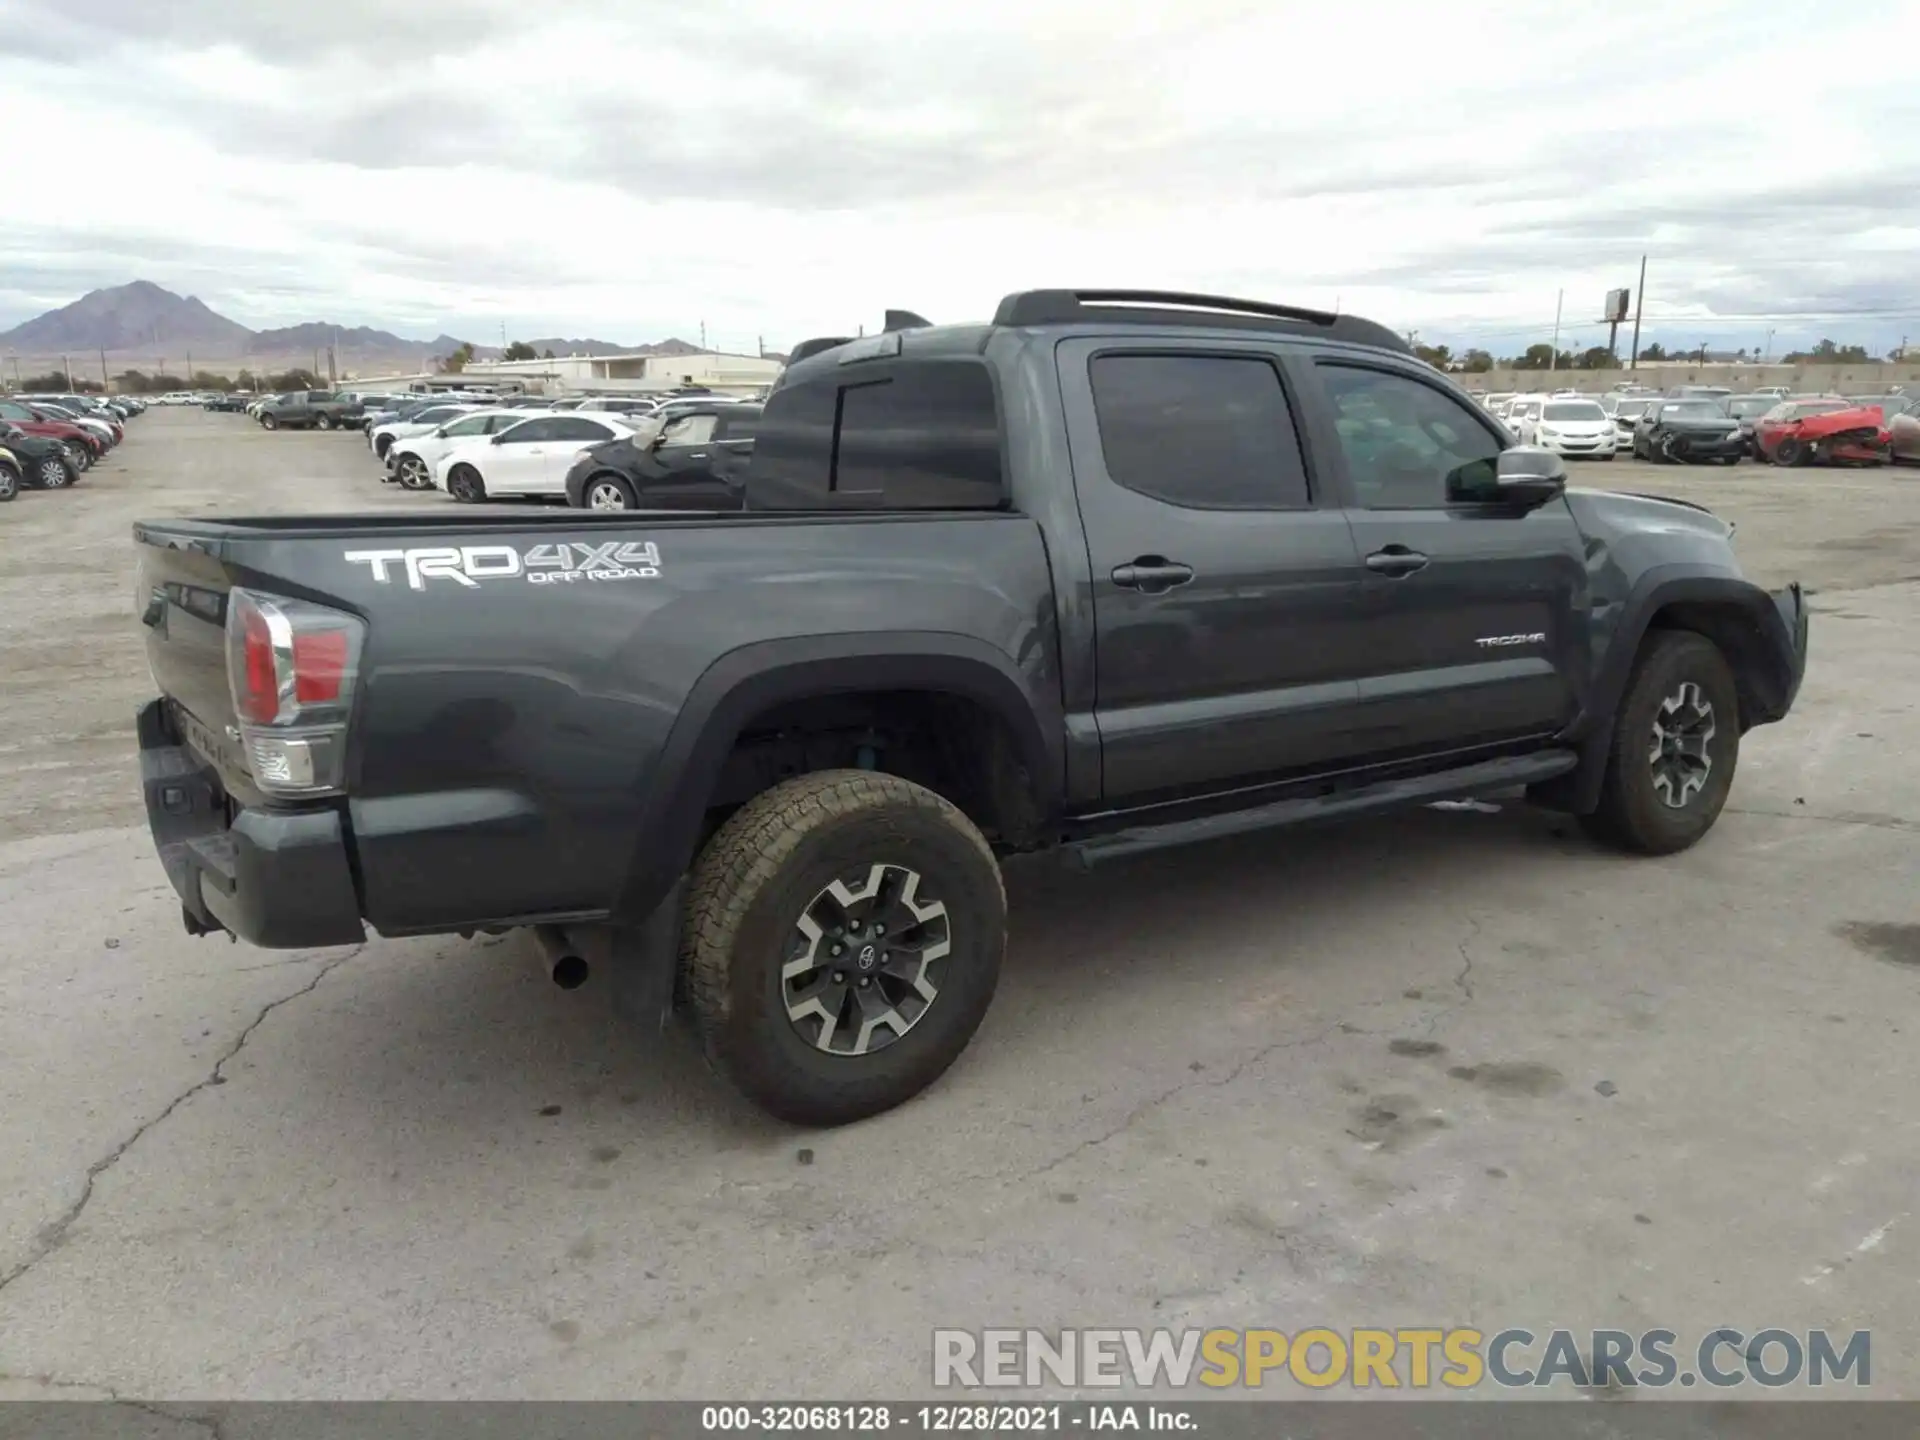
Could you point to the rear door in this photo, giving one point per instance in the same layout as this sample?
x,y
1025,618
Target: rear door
x,y
549,461
1475,613
1225,581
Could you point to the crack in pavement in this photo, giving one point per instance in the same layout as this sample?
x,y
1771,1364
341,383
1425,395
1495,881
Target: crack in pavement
x,y
1463,982
1888,822
1210,1082
54,1235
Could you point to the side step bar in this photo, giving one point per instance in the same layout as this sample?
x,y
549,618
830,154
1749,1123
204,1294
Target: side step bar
x,y
1462,782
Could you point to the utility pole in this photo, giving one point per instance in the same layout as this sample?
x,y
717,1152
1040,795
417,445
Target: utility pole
x,y
703,334
1768,360
105,383
1639,307
67,365
189,369
1553,350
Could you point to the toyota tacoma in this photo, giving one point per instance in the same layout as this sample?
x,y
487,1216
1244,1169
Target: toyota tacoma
x,y
1114,571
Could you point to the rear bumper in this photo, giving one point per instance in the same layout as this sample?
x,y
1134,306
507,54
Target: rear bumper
x,y
277,879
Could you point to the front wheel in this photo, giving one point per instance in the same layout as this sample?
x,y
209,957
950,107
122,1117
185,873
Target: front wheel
x,y
412,473
1676,741
81,458
268,422
9,483
465,485
323,422
842,941
1789,452
53,473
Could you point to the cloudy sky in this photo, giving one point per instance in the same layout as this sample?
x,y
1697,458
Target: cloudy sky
x,y
631,169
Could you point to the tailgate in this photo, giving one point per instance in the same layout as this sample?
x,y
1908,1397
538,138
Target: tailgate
x,y
181,598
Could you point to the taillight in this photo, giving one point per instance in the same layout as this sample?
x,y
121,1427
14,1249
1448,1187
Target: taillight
x,y
291,666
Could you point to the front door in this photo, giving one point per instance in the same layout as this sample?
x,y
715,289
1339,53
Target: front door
x,y
1475,612
1225,583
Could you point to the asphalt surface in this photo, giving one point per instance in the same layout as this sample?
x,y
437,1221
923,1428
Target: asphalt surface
x,y
1452,1068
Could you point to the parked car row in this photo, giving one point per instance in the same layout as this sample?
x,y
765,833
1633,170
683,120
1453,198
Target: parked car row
x,y
47,442
1708,424
685,453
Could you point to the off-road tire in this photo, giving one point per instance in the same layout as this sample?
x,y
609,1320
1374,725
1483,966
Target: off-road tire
x,y
1631,814
757,876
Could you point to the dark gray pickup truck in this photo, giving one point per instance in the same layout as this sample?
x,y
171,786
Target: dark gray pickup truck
x,y
1117,570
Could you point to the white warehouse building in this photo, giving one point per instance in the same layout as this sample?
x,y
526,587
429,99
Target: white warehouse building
x,y
631,374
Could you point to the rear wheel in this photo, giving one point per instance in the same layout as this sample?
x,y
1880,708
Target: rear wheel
x,y
9,483
609,492
1676,741
465,485
323,422
843,939
53,473
81,457
269,422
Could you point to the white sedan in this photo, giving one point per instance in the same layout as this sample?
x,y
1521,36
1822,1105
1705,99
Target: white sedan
x,y
411,460
381,438
530,459
1568,427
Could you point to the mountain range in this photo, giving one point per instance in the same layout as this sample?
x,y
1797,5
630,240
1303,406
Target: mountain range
x,y
141,324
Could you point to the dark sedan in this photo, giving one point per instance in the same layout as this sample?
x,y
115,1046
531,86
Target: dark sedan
x,y
1684,432
44,464
697,461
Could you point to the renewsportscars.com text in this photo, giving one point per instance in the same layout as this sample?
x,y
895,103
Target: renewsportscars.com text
x,y
1403,1358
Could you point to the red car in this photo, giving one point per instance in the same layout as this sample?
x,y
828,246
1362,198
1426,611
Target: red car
x,y
1823,432
86,446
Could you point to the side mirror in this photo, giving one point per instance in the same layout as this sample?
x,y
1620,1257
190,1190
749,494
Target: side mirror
x,y
1528,477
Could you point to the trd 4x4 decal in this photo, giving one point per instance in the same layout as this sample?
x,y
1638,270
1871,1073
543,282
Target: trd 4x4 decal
x,y
554,563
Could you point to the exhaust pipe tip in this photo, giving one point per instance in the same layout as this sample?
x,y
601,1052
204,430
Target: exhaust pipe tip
x,y
564,963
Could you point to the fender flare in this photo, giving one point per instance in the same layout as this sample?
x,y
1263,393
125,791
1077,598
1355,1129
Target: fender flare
x,y
1658,588
753,678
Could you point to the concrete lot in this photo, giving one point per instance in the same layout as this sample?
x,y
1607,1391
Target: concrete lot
x,y
1446,1069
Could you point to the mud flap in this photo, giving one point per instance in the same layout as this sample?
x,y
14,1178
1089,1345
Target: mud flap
x,y
642,961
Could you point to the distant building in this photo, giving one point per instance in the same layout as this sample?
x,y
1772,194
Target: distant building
x,y
630,374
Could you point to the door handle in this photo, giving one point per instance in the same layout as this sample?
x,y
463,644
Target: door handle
x,y
698,455
1152,574
1395,561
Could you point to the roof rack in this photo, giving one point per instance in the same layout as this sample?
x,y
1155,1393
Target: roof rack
x,y
1175,307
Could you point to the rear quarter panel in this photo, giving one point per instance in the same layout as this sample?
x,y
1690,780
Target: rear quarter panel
x,y
508,738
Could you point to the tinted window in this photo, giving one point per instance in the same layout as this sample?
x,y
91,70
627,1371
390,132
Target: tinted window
x,y
1408,445
927,435
472,425
528,431
737,424
794,454
1202,431
579,427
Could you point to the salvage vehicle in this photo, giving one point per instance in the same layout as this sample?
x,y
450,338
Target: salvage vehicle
x,y
107,432
1823,432
310,410
698,461
1574,428
1114,571
1903,438
45,463
414,420
528,459
411,461
1686,432
83,447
